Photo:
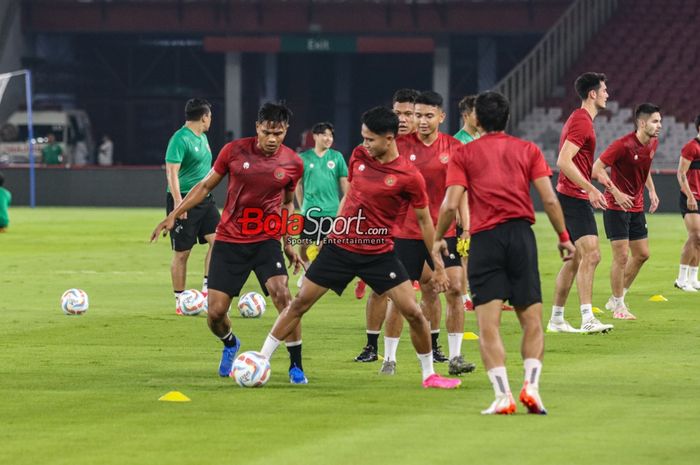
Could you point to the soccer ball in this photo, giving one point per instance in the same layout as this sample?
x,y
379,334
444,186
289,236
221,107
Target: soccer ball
x,y
192,302
251,305
74,302
251,369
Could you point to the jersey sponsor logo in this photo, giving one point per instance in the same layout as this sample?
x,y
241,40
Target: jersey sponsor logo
x,y
330,164
361,167
390,180
444,158
246,165
196,149
279,173
412,157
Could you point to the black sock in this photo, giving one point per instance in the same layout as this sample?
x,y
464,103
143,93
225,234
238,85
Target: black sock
x,y
434,337
229,340
373,340
295,356
177,293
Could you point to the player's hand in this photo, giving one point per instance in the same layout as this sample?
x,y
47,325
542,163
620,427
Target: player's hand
x,y
294,259
597,199
692,204
184,215
654,202
439,280
440,249
622,199
164,226
566,250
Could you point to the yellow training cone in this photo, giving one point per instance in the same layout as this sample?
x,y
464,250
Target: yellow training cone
x,y
658,298
312,252
174,396
469,336
597,310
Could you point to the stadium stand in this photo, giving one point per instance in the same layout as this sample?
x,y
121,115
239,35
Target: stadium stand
x,y
650,52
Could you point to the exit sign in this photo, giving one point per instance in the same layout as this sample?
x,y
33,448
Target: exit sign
x,y
317,44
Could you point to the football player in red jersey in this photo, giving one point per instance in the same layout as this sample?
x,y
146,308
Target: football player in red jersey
x,y
263,174
383,186
689,180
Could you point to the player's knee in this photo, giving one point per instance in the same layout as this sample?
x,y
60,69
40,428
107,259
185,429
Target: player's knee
x,y
298,307
642,256
592,258
621,258
279,293
695,238
216,310
181,257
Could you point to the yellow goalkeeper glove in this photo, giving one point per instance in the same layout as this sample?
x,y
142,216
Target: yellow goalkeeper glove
x,y
463,247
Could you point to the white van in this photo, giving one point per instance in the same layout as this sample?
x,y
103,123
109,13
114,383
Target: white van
x,y
71,128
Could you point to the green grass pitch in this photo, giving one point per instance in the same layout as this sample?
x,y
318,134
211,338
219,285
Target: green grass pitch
x,y
84,390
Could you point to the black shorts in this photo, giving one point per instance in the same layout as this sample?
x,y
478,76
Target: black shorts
x,y
335,267
579,217
503,265
683,203
621,225
231,264
315,231
201,221
413,254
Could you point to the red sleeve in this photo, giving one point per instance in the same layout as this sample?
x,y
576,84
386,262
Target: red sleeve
x,y
417,191
538,166
688,153
353,160
457,170
579,131
296,173
613,152
221,163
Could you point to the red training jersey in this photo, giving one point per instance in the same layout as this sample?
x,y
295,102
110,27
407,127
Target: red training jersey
x,y
255,181
496,169
691,151
379,194
629,161
431,161
578,130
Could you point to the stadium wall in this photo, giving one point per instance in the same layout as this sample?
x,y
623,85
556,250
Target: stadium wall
x,y
145,187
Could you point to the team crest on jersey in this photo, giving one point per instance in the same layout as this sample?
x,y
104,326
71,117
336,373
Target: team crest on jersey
x,y
412,157
279,173
196,149
390,180
361,167
330,164
444,158
246,165
311,165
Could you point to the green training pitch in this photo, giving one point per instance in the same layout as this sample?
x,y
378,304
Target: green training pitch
x,y
84,390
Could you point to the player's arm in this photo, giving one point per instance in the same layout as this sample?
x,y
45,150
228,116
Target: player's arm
x,y
292,256
299,192
600,173
344,185
565,163
682,175
653,198
425,221
172,171
193,198
448,210
463,213
544,188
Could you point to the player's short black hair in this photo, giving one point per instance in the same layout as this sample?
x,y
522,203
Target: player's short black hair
x,y
429,97
697,123
2,179
588,82
381,121
645,109
274,113
405,96
492,111
466,105
195,108
320,128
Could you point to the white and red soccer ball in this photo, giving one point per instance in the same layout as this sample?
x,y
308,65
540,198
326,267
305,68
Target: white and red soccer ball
x,y
74,302
251,369
192,302
251,305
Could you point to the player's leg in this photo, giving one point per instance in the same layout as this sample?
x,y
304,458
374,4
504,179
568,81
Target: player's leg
x,y
403,297
303,248
432,309
690,254
178,274
532,351
375,311
210,238
563,284
220,324
455,322
590,257
210,218
392,335
493,356
620,261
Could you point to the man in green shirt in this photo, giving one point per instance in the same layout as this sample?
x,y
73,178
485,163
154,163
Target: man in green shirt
x,y
317,191
468,132
5,200
187,161
52,153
